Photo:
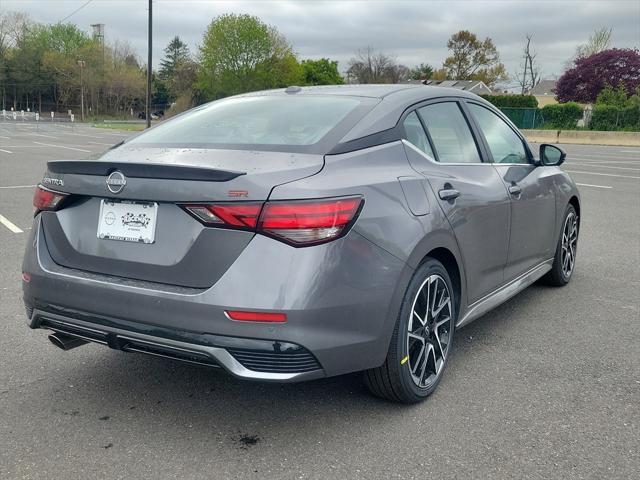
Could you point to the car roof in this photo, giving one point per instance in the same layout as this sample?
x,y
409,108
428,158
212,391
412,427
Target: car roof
x,y
380,91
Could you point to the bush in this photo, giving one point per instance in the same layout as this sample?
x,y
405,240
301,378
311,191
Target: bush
x,y
561,115
612,96
512,101
610,117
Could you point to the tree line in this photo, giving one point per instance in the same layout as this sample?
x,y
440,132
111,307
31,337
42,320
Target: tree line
x,y
46,67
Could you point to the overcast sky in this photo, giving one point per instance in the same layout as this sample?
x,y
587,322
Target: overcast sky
x,y
413,31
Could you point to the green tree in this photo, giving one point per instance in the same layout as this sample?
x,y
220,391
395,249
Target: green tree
x,y
177,72
239,53
616,97
422,72
473,59
321,72
176,53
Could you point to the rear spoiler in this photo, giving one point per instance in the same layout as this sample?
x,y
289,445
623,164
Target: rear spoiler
x,y
142,170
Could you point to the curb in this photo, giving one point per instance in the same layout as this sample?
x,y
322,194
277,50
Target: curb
x,y
584,137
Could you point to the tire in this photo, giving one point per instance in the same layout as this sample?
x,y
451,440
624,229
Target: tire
x,y
405,376
560,275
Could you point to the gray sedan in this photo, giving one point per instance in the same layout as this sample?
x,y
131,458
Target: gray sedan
x,y
295,234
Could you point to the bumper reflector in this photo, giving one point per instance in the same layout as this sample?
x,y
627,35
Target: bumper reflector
x,y
256,316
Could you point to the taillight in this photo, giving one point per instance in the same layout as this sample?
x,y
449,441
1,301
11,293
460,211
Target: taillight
x,y
44,199
235,215
271,317
309,222
296,222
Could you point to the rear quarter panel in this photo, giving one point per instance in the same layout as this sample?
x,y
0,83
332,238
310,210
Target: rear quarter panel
x,y
386,221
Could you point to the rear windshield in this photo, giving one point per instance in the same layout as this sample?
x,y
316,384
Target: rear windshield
x,y
261,120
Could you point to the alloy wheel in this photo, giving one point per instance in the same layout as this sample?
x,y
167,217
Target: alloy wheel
x,y
429,331
569,244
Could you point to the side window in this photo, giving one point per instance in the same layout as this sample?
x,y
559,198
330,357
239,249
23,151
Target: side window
x,y
450,133
505,145
416,134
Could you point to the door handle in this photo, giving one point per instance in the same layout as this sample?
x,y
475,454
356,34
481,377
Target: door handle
x,y
515,190
448,194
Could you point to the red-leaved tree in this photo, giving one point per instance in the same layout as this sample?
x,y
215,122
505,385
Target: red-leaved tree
x,y
589,75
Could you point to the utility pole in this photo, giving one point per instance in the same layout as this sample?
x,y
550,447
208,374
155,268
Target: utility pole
x,y
149,68
81,64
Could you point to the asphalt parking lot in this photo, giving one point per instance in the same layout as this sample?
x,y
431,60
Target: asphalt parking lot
x,y
545,386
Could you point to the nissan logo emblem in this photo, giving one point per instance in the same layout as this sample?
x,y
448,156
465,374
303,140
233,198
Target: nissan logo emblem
x,y
116,182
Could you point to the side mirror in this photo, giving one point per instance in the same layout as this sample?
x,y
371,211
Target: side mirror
x,y
551,156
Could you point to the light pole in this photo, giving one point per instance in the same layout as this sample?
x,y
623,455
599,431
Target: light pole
x,y
149,68
81,64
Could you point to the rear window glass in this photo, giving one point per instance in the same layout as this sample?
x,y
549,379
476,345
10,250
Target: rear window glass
x,y
265,120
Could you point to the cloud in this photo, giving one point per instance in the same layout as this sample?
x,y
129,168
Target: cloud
x,y
413,31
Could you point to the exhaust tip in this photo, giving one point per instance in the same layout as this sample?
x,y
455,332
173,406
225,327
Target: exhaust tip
x,y
66,342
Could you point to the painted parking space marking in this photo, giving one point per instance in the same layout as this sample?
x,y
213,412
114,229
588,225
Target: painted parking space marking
x,y
602,174
16,186
5,151
96,136
98,143
605,162
594,186
598,156
25,146
594,165
11,226
63,146
43,135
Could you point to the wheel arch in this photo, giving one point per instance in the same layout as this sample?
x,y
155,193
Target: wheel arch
x,y
576,204
450,263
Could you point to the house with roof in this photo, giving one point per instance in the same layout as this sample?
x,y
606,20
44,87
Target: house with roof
x,y
545,92
474,86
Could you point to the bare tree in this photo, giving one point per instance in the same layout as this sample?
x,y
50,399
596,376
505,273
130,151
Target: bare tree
x,y
529,77
599,41
369,66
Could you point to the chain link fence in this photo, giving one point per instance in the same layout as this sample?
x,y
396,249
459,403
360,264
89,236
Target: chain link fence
x,y
524,117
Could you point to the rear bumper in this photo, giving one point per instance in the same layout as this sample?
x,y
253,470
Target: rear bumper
x,y
341,302
243,358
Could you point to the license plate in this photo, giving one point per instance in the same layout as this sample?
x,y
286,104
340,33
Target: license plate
x,y
127,221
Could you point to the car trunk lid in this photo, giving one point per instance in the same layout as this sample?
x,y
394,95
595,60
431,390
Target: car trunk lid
x,y
183,251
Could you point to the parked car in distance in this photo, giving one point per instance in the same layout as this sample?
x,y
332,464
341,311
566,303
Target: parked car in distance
x,y
295,234
157,115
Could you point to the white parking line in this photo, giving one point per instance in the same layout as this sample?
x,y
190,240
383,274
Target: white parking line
x,y
62,146
83,135
602,174
109,144
7,138
43,135
5,151
9,225
631,151
17,186
595,165
590,162
594,186
604,154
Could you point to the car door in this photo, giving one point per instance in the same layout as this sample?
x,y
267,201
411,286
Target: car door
x,y
470,191
530,187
